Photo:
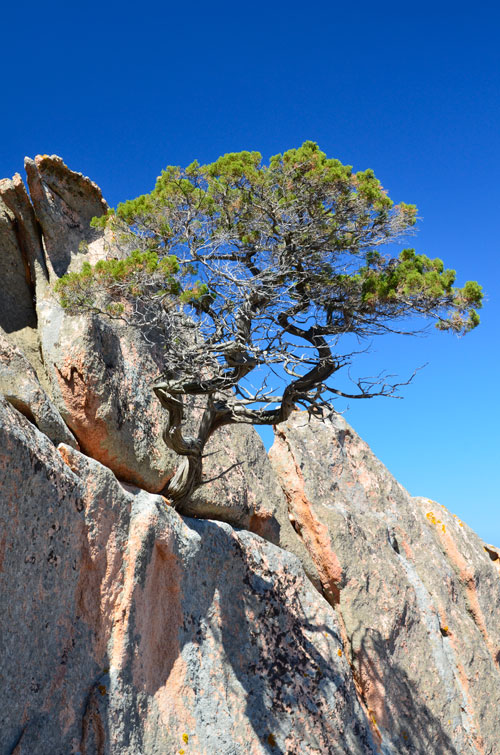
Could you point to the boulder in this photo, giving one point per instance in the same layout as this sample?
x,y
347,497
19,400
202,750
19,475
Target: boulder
x,y
65,202
22,270
101,374
19,384
138,631
17,309
416,592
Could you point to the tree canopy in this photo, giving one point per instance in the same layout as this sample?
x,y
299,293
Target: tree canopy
x,y
253,275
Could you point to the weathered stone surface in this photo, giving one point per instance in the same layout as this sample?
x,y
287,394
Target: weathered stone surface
x,y
416,592
124,627
27,230
22,269
65,202
127,629
45,665
96,373
20,386
245,492
17,309
101,374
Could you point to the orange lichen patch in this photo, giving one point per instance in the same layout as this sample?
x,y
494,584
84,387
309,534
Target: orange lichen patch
x,y
430,516
261,523
339,653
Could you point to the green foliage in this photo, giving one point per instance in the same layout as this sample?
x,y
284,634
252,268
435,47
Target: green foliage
x,y
305,227
109,282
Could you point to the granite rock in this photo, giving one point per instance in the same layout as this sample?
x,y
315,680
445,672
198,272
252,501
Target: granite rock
x,y
64,203
126,628
416,591
19,384
101,374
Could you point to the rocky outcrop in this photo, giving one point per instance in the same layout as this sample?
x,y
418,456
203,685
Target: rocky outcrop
x,y
98,373
17,309
19,384
417,593
137,630
101,374
65,202
21,261
126,628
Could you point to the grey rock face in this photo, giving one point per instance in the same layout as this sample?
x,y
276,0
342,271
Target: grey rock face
x,y
245,492
17,309
98,374
417,594
138,631
20,386
44,643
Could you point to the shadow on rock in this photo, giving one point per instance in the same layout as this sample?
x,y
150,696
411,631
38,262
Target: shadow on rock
x,y
396,703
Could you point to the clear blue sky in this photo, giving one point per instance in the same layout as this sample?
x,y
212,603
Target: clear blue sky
x,y
410,90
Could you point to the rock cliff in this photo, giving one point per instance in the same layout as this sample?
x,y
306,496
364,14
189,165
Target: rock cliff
x,y
305,604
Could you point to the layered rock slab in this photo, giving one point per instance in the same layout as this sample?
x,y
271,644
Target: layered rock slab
x,y
64,203
417,594
19,384
126,628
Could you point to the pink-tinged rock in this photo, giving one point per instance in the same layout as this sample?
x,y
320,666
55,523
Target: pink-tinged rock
x,y
207,632
126,629
417,594
20,386
98,374
240,487
101,376
65,202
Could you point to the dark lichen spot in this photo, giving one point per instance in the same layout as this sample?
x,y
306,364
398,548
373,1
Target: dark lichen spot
x,y
271,740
